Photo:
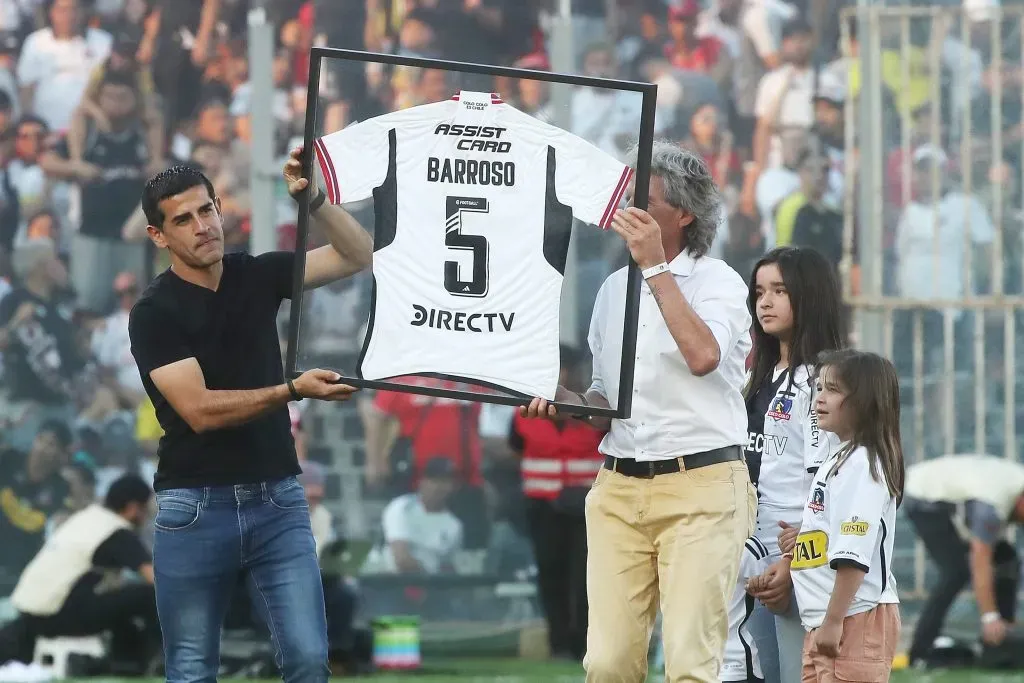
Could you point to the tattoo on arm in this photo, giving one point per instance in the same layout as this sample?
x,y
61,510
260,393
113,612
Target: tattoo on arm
x,y
658,296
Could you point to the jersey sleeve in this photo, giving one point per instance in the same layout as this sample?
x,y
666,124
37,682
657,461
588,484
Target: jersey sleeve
x,y
354,160
857,503
588,180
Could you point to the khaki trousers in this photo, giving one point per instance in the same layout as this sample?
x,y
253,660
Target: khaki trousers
x,y
677,537
866,649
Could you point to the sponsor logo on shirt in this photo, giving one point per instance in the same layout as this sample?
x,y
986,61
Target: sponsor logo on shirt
x,y
780,408
460,321
854,527
811,550
817,503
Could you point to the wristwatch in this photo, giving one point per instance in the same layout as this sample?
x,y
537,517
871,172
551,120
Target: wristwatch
x,y
990,618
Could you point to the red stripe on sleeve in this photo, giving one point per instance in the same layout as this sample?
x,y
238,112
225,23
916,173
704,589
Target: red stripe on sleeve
x,y
613,201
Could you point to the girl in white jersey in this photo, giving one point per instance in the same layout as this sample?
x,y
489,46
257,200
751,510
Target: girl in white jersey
x,y
795,302
842,559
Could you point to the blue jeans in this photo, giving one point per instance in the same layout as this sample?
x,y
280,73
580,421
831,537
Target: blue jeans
x,y
780,642
205,539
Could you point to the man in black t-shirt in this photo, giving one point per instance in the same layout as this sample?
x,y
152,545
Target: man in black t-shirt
x,y
205,340
75,588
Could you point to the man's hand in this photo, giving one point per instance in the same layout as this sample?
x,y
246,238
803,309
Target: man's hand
x,y
293,175
994,632
642,234
321,384
827,637
540,407
787,537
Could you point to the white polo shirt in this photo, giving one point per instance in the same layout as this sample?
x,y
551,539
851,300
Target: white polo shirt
x,y
674,412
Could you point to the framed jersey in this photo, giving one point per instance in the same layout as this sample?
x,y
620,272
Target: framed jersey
x,y
478,202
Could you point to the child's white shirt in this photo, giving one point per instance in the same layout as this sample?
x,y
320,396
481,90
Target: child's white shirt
x,y
849,516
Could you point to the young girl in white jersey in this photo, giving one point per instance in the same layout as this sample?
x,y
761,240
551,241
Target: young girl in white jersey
x,y
842,559
795,302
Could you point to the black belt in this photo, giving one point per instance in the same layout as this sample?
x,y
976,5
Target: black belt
x,y
647,469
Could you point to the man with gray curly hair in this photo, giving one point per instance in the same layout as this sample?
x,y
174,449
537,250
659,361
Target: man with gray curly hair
x,y
673,504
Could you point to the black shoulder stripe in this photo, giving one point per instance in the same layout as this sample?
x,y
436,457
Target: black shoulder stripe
x,y
756,548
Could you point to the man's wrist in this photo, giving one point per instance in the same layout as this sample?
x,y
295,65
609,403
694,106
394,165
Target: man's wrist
x,y
655,269
292,391
316,202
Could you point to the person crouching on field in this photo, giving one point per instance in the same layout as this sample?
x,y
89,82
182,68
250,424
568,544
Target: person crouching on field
x,y
841,562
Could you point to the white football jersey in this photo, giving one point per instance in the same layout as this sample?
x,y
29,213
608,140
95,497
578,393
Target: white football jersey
x,y
474,203
792,449
848,516
741,662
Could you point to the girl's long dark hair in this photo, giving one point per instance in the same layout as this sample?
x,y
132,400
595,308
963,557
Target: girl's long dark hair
x,y
816,303
873,403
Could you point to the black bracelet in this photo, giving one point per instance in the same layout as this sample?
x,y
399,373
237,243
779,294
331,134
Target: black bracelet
x,y
318,202
291,390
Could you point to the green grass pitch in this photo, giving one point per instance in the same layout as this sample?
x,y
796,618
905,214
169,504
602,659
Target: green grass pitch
x,y
519,671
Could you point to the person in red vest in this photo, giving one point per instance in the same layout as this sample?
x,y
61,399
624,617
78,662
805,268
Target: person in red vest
x,y
559,463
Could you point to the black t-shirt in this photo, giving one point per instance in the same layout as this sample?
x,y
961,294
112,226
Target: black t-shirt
x,y
176,15
25,507
757,408
821,230
232,333
42,359
108,201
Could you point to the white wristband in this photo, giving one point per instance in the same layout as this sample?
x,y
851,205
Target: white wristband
x,y
648,273
990,617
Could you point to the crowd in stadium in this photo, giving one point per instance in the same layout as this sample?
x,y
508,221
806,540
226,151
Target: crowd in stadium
x,y
98,95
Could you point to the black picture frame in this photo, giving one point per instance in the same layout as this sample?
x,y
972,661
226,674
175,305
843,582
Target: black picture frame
x,y
649,93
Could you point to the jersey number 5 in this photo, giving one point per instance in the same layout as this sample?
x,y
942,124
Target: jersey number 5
x,y
477,244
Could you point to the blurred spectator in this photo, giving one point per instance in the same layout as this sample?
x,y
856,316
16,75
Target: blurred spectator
x,y
559,463
123,63
692,53
804,218
784,95
110,174
73,586
41,359
938,233
607,118
27,176
313,479
404,431
778,182
111,346
56,63
179,42
31,491
421,535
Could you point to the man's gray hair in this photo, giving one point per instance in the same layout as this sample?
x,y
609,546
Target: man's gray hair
x,y
29,255
690,188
